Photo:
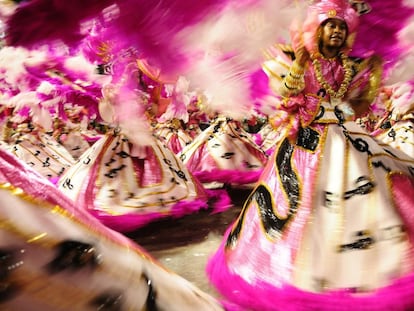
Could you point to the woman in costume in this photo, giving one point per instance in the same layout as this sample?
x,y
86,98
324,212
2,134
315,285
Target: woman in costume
x,y
129,178
55,256
329,224
225,152
172,115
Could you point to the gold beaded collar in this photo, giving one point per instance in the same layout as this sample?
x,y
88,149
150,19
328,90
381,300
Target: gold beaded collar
x,y
345,83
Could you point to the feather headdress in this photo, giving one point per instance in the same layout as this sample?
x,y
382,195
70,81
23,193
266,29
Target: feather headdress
x,y
216,45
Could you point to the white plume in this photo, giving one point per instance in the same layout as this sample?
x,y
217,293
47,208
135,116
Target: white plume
x,y
11,64
403,70
82,66
409,3
232,48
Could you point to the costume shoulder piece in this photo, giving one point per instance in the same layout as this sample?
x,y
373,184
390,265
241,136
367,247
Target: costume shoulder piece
x,y
277,66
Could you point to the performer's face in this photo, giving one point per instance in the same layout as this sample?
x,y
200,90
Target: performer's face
x,y
334,32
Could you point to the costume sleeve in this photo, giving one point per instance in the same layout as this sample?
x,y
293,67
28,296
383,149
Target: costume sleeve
x,y
286,77
367,81
365,85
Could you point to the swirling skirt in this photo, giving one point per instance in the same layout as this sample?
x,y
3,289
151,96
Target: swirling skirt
x,y
127,191
56,256
329,226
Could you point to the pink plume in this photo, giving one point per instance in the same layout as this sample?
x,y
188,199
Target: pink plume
x,y
378,30
152,27
403,69
44,21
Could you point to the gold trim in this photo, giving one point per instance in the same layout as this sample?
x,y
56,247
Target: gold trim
x,y
56,209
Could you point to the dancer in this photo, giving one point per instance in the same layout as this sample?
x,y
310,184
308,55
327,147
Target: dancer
x,y
55,256
328,226
129,178
35,88
225,152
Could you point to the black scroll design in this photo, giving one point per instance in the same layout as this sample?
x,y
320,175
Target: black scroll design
x,y
386,125
73,255
228,155
359,144
114,171
216,129
46,163
68,184
363,240
339,115
61,171
179,173
321,113
308,138
392,134
363,146
87,160
365,186
272,223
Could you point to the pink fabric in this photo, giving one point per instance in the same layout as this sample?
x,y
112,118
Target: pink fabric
x,y
260,262
218,200
22,176
54,20
260,296
175,144
228,176
300,111
385,20
130,222
148,170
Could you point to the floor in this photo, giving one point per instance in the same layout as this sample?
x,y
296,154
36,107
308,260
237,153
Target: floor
x,y
185,244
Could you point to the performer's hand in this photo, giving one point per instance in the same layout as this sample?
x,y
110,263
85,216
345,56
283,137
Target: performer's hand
x,y
302,55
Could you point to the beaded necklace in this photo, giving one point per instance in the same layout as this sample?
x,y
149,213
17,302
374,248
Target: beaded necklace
x,y
345,83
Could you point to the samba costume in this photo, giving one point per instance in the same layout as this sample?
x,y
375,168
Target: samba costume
x,y
76,132
173,134
55,256
129,178
295,216
397,127
35,87
169,126
328,226
267,138
224,153
127,191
